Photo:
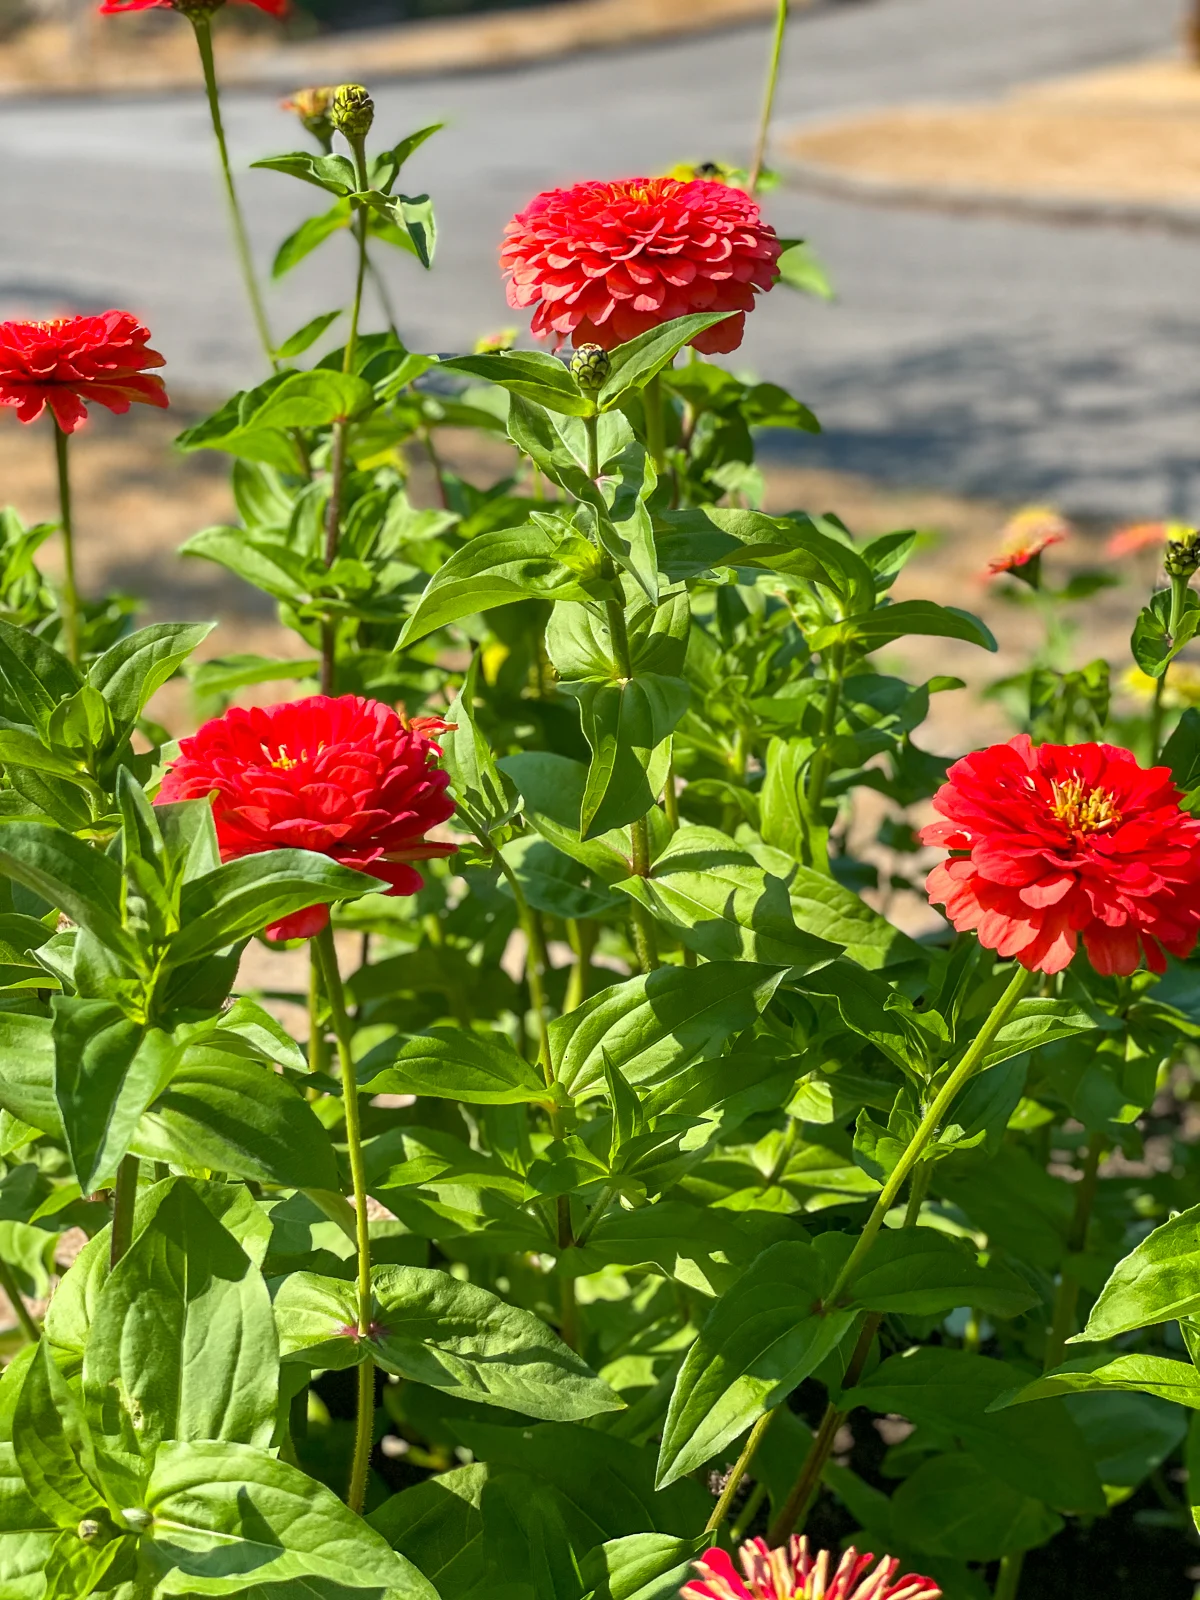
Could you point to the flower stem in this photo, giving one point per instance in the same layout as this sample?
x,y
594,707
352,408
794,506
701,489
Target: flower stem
x,y
721,1509
822,762
535,956
124,1201
1019,986
1062,1324
8,1282
70,591
656,438
341,428
1009,1579
202,24
768,106
365,1424
317,1060
581,935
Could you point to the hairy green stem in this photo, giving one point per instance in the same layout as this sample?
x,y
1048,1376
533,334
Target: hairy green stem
x,y
972,1060
317,1058
8,1282
70,589
768,105
124,1201
795,1507
656,437
822,762
202,24
1062,1324
342,1028
582,934
733,1482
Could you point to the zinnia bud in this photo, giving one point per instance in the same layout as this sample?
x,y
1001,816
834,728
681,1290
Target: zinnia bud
x,y
1183,550
313,107
590,367
88,1530
353,111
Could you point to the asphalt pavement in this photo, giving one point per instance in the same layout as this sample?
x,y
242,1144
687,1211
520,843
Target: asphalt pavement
x,y
989,355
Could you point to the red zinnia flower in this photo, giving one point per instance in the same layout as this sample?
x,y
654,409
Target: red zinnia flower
x,y
1067,840
791,1573
1137,537
1026,535
603,262
63,364
110,8
345,777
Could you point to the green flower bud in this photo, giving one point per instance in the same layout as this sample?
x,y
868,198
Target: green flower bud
x,y
590,367
136,1519
353,111
313,107
1182,556
89,1530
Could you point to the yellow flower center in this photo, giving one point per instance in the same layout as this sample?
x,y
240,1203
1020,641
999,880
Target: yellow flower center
x,y
1084,810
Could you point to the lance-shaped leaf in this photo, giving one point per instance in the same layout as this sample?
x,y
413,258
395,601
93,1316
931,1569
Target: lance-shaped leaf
x,y
34,678
627,533
650,1027
762,1337
907,617
228,1517
634,363
256,424
1037,1022
641,1566
798,547
136,667
923,1272
80,881
497,569
720,903
53,1446
183,1343
437,1524
333,173
486,797
822,906
410,215
27,1079
453,1336
1103,1373
481,1069
530,373
625,724
245,896
107,1070
1157,1282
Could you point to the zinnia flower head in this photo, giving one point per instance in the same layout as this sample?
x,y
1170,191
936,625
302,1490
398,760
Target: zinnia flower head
x,y
1025,535
1136,537
602,262
112,8
1065,841
792,1573
74,361
346,777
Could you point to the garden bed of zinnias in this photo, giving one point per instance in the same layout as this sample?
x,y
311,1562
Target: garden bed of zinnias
x,y
717,1146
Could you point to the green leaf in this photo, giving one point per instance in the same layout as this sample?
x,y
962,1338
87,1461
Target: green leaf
x,y
1182,751
1037,1451
107,1070
497,569
84,884
255,424
438,1526
800,268
822,906
905,618
227,674
246,895
35,678
924,1272
1102,1373
311,233
222,1113
332,173
1157,1282
486,797
530,373
27,1081
182,1343
641,1566
953,1506
653,1026
761,1339
634,363
526,1540
304,338
624,725
1153,646
52,1444
481,1069
720,903
134,668
411,216
227,1516
1038,1022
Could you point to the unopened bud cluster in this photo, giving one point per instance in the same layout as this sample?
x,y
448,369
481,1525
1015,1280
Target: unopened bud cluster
x,y
590,367
353,111
1182,556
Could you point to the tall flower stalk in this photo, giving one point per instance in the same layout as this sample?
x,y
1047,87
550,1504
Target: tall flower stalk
x,y
768,104
70,587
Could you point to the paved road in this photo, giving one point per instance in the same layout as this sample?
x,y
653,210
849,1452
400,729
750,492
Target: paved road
x,y
976,353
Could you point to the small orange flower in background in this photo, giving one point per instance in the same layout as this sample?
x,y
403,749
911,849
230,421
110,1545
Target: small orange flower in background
x,y
1025,535
113,8
76,361
603,262
1136,537
793,1573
